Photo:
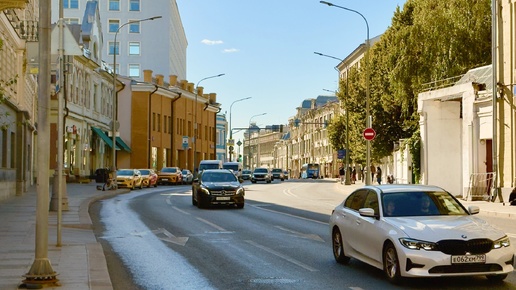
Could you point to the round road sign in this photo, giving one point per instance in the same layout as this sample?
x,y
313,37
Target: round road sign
x,y
369,134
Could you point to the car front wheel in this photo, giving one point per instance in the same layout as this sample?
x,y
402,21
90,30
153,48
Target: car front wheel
x,y
391,264
338,247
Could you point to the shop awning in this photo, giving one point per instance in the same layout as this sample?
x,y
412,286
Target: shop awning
x,y
104,137
122,144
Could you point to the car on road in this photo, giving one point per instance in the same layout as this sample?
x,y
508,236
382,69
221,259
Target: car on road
x,y
187,176
150,177
418,231
246,174
285,173
261,174
170,175
129,178
277,173
217,187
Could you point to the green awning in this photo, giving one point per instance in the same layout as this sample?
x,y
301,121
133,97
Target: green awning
x,y
122,144
104,137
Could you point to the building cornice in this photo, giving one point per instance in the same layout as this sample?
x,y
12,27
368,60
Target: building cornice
x,y
12,4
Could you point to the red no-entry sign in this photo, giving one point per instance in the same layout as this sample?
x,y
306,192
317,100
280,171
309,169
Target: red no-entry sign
x,y
369,134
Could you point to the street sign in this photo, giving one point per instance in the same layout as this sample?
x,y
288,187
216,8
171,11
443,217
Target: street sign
x,y
231,142
369,134
185,142
341,154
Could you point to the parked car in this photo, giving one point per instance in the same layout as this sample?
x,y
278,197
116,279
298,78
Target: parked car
x,y
418,231
170,175
129,178
187,176
277,173
246,174
150,177
261,174
217,187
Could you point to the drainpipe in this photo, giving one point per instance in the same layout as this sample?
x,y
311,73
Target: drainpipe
x,y
149,127
179,94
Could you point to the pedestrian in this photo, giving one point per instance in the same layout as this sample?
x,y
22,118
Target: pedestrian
x,y
512,197
354,175
379,175
341,174
373,172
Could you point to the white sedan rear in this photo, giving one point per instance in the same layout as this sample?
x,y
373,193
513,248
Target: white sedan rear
x,y
418,231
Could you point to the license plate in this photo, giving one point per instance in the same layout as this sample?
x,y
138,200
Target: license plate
x,y
165,179
223,198
468,259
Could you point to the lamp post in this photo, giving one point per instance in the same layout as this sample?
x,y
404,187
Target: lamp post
x,y
249,132
368,117
113,125
231,131
195,119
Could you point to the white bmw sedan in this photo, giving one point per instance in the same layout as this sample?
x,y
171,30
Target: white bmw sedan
x,y
418,231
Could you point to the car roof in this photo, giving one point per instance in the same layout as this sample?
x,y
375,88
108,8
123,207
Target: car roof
x,y
392,188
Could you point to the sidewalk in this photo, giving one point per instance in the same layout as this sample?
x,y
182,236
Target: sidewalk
x,y
80,263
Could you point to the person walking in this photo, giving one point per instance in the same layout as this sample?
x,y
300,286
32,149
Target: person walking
x,y
379,175
342,173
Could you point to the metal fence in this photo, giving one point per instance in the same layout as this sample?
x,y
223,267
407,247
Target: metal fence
x,y
480,185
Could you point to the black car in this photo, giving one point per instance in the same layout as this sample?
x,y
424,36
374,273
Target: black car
x,y
217,187
277,173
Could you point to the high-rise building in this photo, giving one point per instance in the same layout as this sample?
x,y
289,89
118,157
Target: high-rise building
x,y
158,45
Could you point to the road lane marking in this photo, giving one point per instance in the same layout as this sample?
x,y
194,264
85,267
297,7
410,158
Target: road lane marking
x,y
302,235
290,215
212,224
278,254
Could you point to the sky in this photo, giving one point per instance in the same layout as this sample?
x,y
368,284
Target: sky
x,y
266,49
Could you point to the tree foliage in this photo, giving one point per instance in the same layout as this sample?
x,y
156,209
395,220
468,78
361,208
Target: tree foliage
x,y
427,41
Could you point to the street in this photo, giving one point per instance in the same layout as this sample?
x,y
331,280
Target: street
x,y
155,238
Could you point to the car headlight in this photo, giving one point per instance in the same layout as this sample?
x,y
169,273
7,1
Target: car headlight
x,y
240,191
205,190
503,242
417,244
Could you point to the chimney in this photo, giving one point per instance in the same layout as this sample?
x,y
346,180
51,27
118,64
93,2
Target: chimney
x,y
213,98
200,91
147,75
159,80
190,87
183,84
172,79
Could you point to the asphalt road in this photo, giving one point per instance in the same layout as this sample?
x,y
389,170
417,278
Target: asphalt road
x,y
280,240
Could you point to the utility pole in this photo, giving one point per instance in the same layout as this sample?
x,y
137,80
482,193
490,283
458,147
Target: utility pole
x,y
41,272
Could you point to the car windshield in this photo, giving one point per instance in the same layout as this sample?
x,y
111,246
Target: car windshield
x,y
246,172
421,204
218,177
124,172
277,170
169,170
233,167
186,172
260,170
145,172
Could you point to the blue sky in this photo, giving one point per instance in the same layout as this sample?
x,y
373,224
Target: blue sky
x,y
266,49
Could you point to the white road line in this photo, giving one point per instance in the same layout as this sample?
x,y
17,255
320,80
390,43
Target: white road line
x,y
278,254
212,224
290,215
180,210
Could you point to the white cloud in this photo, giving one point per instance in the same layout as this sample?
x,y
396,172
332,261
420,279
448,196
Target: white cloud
x,y
230,50
212,42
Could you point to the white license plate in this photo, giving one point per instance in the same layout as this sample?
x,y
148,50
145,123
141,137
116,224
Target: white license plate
x,y
223,198
468,259
166,179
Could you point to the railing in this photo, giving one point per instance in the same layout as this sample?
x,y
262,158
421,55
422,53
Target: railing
x,y
25,29
480,186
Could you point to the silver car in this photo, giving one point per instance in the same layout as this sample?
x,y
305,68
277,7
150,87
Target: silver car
x,y
418,231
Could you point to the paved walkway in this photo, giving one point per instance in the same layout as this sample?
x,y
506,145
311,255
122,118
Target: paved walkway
x,y
79,262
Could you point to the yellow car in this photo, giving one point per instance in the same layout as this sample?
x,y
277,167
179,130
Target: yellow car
x,y
129,178
170,175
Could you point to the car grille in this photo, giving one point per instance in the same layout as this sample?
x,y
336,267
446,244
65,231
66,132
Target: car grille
x,y
459,247
466,268
223,192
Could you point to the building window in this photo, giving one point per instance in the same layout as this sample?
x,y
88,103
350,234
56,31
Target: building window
x,y
117,68
134,48
134,70
71,20
71,4
134,27
112,48
113,25
134,5
159,122
114,5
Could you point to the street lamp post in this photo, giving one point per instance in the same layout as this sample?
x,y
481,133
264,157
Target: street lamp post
x,y
115,102
249,132
195,120
231,131
368,117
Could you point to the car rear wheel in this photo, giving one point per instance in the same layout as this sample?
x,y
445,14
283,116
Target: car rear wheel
x,y
391,264
338,247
